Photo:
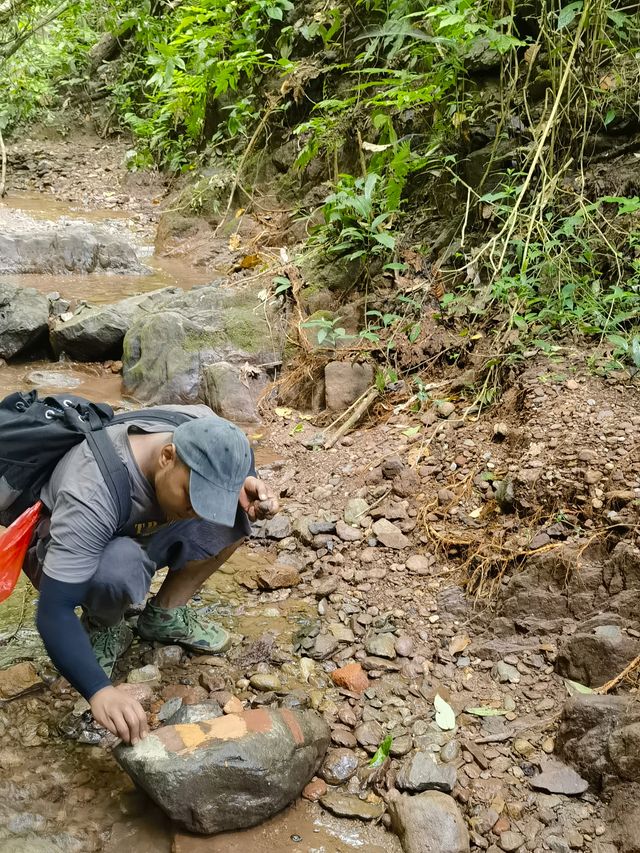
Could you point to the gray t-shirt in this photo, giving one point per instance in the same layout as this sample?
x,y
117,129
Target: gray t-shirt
x,y
84,517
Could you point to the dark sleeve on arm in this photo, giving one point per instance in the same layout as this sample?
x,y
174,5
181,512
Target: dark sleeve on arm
x,y
65,639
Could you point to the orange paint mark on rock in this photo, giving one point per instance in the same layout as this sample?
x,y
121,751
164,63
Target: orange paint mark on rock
x,y
187,737
258,720
293,725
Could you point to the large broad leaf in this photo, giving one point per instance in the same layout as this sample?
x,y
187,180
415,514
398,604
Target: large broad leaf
x,y
568,13
445,715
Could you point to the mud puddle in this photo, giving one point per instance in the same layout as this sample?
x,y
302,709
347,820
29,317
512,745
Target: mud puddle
x,y
303,827
84,380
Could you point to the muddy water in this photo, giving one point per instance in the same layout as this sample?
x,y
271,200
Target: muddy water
x,y
84,799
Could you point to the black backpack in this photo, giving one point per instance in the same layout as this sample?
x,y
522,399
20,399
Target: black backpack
x,y
36,433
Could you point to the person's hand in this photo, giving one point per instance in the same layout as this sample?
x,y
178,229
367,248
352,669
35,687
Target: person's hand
x,y
121,714
258,499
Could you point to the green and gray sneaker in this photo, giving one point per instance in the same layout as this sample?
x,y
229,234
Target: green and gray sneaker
x,y
108,644
181,625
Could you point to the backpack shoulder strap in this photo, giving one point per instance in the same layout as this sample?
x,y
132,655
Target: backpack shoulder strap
x,y
162,415
114,472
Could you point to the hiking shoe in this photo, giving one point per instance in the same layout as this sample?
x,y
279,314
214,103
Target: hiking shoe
x,y
108,644
181,625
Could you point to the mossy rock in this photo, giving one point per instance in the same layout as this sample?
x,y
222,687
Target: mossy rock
x,y
165,352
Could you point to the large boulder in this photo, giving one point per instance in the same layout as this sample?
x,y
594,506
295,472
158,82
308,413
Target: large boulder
x,y
429,823
231,772
24,314
166,352
599,736
232,390
60,249
344,382
96,333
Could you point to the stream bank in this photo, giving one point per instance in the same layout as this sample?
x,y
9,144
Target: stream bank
x,y
377,537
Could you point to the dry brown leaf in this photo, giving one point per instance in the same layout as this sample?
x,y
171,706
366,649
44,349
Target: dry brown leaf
x,y
250,261
458,644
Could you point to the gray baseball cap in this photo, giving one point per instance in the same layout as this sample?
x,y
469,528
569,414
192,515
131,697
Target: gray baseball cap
x,y
220,458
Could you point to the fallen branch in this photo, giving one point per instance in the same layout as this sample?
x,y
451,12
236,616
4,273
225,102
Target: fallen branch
x,y
357,410
3,168
605,688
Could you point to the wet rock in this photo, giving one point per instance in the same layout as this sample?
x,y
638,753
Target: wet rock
x,y
339,766
232,391
229,773
97,333
381,645
557,778
142,693
19,679
166,351
421,773
201,713
428,823
167,656
593,657
352,677
149,674
341,736
64,249
278,576
348,533
169,708
390,535
345,805
264,682
24,315
316,789
344,382
369,736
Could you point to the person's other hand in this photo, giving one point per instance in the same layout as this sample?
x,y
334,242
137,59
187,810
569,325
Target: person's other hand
x,y
121,714
258,499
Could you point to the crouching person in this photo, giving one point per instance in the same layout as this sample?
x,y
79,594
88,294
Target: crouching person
x,y
193,493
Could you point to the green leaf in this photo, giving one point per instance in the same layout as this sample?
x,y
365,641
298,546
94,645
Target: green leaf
x,y
382,752
411,431
445,715
611,114
568,13
576,687
386,240
414,333
485,711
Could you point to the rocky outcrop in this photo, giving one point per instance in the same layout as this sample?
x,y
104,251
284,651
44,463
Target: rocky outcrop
x,y
598,651
344,382
97,333
24,313
66,249
167,351
600,737
232,391
231,772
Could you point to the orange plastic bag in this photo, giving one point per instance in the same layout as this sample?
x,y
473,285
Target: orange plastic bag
x,y
14,543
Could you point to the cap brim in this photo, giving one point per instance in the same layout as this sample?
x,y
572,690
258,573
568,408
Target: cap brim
x,y
212,502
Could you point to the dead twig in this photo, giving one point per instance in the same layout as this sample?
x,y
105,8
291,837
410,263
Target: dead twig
x,y
626,672
357,410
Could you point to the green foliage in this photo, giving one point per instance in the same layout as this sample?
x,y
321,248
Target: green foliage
x,y
580,277
357,219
